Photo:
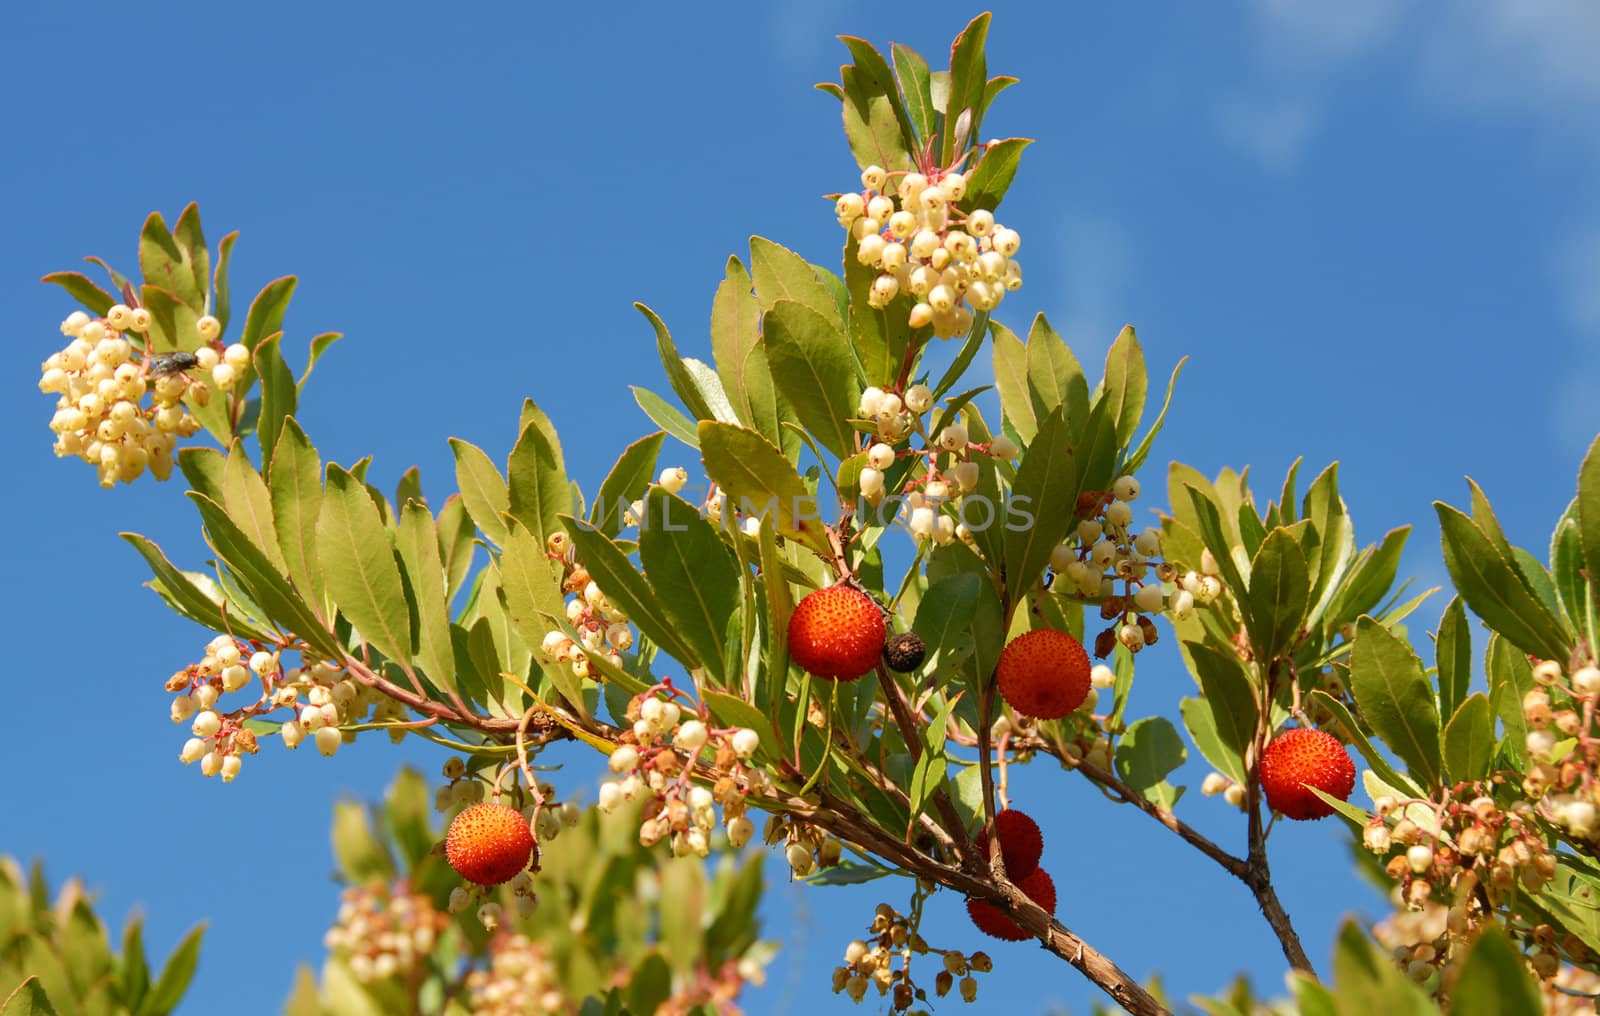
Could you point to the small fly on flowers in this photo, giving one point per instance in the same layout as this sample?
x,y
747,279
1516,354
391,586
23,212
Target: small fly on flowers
x,y
172,363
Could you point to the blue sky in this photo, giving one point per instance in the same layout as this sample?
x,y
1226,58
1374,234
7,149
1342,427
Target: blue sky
x,y
1373,227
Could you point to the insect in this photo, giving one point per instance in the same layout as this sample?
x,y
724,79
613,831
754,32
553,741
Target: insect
x,y
172,363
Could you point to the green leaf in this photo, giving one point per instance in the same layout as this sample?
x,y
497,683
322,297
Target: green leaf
x,y
1395,698
1209,525
28,999
695,578
1453,652
264,579
968,77
191,241
872,124
1587,512
1495,589
1047,481
990,181
537,483
245,495
1495,980
175,976
358,563
780,604
626,483
730,711
1011,380
1200,719
781,274
319,345
1469,740
1345,726
135,976
1279,594
629,590
944,621
183,593
97,300
483,489
1227,689
1126,384
813,368
221,309
758,479
163,264
532,584
1055,377
964,357
741,357
666,416
267,311
418,542
650,984
1148,752
278,396
911,71
1510,678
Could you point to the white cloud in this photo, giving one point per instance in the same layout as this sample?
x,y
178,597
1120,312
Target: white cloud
x,y
1527,53
1274,134
1297,31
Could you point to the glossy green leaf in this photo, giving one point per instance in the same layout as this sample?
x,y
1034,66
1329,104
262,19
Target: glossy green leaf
x,y
758,479
944,621
266,582
1510,677
319,346
97,300
1047,480
1588,512
693,574
781,274
418,542
267,311
1495,589
968,77
1200,719
666,416
813,368
532,585
221,307
360,854
1054,376
358,564
537,488
249,504
164,264
741,356
911,72
1227,689
1147,754
1126,384
1469,740
1453,652
632,592
990,181
1279,595
1011,380
184,594
1137,457
626,483
191,241
1395,698
483,489
780,605
277,396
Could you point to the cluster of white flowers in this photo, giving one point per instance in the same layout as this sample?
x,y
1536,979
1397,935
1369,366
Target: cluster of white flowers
x,y
602,627
951,262
883,961
1107,551
657,757
384,932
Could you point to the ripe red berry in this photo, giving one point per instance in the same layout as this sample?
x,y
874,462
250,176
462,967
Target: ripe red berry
x,y
992,921
836,633
1301,758
1043,673
1021,844
488,844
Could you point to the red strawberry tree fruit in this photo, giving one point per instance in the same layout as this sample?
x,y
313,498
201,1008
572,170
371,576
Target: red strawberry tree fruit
x,y
853,594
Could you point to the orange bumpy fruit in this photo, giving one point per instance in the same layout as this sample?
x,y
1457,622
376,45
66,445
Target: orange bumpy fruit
x,y
1299,759
1043,673
836,633
1021,844
992,921
489,844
